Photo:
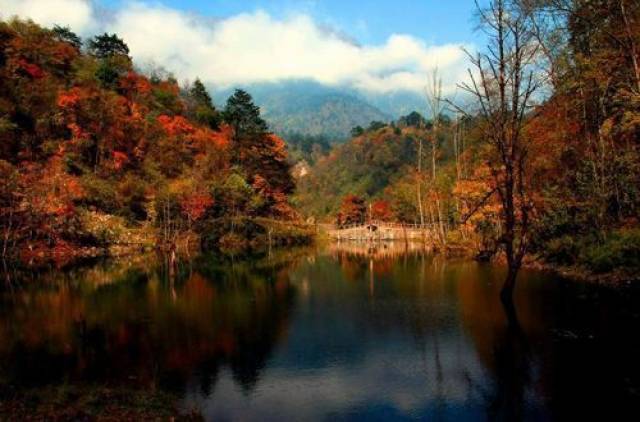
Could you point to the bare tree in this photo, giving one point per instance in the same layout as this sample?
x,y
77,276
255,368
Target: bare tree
x,y
419,179
502,85
435,105
631,44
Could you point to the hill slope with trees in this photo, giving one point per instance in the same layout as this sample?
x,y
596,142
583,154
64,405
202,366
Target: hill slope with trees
x,y
93,153
541,166
309,109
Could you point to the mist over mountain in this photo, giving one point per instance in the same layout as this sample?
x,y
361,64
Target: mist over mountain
x,y
396,104
310,108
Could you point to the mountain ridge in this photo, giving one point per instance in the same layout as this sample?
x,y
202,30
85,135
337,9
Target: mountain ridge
x,y
310,109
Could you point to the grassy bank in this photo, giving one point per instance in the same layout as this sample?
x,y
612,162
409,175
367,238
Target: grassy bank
x,y
105,235
68,402
244,233
612,258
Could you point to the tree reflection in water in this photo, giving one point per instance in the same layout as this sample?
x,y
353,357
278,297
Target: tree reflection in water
x,y
351,332
145,325
562,350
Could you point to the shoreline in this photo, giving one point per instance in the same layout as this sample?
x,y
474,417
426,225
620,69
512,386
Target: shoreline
x,y
72,256
532,262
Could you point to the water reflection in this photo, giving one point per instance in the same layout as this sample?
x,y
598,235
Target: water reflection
x,y
138,326
347,332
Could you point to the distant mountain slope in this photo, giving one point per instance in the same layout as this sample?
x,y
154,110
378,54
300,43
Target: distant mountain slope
x,y
310,109
365,166
332,115
396,104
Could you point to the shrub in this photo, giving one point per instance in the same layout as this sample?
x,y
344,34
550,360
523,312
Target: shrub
x,y
100,193
131,196
621,250
213,231
106,229
563,250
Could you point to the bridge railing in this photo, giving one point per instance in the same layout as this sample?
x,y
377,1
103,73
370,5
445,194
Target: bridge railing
x,y
379,225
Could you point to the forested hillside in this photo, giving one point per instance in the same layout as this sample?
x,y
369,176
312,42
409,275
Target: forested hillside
x,y
309,109
94,153
366,166
543,158
540,154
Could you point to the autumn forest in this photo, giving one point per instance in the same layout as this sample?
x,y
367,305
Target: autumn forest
x,y
540,152
531,164
95,153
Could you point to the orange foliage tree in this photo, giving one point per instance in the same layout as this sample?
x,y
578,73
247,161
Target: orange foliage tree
x,y
381,210
352,211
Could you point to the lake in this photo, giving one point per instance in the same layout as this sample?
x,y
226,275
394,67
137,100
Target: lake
x,y
344,332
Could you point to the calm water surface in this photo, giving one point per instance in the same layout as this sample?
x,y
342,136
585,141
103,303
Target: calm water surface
x,y
340,334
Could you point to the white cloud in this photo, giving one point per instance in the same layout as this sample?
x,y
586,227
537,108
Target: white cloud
x,y
77,14
255,47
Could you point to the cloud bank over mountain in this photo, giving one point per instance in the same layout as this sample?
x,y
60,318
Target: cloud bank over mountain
x,y
77,14
255,47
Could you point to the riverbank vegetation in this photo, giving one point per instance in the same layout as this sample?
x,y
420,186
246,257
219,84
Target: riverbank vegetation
x,y
538,159
534,160
95,152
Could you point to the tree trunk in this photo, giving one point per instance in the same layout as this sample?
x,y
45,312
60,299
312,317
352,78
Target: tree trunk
x,y
442,234
506,294
632,45
433,159
419,183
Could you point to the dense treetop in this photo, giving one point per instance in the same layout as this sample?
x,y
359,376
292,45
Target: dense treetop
x,y
85,135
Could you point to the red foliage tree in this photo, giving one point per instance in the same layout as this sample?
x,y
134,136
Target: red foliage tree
x,y
381,210
352,211
195,204
33,70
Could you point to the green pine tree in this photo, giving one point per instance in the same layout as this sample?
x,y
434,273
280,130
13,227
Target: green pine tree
x,y
203,108
244,117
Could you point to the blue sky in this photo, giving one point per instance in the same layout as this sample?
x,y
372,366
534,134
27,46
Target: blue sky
x,y
368,22
378,47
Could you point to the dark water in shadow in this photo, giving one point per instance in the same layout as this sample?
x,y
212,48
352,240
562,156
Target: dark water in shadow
x,y
335,334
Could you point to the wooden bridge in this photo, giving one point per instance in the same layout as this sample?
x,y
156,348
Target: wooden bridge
x,y
379,231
